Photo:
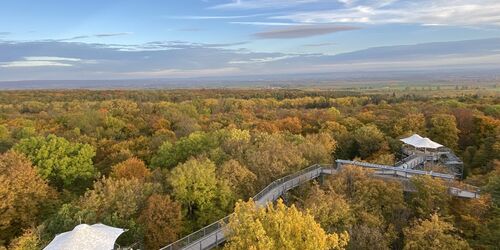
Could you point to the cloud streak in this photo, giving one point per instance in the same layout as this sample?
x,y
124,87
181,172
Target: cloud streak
x,y
100,35
303,31
261,4
40,61
426,12
176,59
267,23
214,17
319,44
184,73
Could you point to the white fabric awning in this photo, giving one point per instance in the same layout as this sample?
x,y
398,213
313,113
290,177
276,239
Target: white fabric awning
x,y
86,237
412,139
420,142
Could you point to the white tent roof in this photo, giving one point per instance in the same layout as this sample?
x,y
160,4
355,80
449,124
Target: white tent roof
x,y
412,139
86,237
420,142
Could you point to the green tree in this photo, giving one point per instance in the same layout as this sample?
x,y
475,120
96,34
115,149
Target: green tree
x,y
5,138
369,140
444,130
488,237
59,161
169,155
493,184
330,210
204,197
278,227
29,240
239,178
365,193
318,148
4,133
408,125
115,202
431,196
471,217
272,156
433,234
378,207
235,142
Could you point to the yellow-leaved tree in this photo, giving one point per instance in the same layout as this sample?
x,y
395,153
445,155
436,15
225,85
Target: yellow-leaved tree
x,y
23,195
433,234
278,227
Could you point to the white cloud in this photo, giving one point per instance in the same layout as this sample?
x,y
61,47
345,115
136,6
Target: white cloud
x,y
184,73
40,61
213,17
99,35
198,60
320,44
430,12
263,60
267,23
451,61
261,4
51,58
24,64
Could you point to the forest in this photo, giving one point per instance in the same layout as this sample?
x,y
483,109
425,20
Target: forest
x,y
164,163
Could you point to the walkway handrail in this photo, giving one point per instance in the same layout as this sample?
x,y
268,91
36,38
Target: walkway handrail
x,y
391,168
279,181
216,227
207,230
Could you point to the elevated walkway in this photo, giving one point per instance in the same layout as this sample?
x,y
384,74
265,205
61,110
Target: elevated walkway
x,y
416,158
213,235
411,162
396,171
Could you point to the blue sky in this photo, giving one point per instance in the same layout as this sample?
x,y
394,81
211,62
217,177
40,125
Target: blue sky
x,y
109,39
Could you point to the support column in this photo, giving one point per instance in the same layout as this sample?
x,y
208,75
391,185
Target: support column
x,y
321,179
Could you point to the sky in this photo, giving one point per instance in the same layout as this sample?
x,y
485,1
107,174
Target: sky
x,y
129,39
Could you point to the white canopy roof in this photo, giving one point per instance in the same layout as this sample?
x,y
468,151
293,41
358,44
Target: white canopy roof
x,y
420,142
86,237
412,139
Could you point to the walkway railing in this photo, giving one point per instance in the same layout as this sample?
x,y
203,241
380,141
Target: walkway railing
x,y
195,240
411,161
213,234
407,173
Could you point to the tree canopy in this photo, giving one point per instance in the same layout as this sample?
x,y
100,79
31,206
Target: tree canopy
x,y
146,159
278,227
23,195
202,195
433,234
57,160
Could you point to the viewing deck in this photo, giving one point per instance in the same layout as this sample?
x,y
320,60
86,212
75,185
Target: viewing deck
x,y
416,159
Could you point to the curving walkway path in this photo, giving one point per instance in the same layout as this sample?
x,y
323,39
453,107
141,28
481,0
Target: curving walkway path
x,y
213,234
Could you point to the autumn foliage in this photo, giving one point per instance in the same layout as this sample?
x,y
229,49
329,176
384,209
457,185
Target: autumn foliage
x,y
279,227
164,163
